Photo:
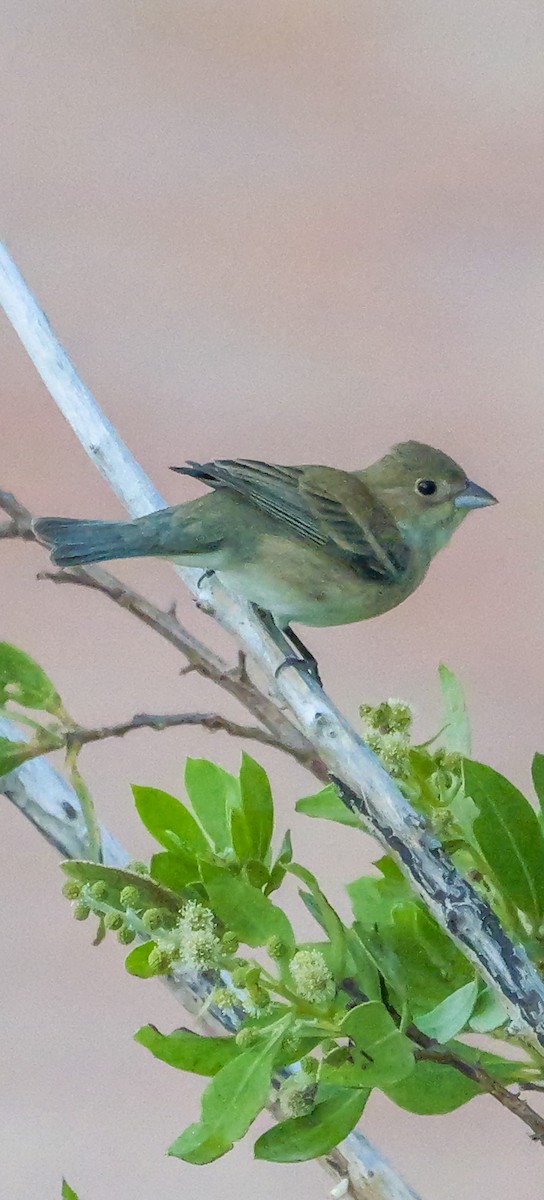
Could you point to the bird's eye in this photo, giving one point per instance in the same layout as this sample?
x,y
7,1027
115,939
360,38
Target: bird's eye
x,y
426,487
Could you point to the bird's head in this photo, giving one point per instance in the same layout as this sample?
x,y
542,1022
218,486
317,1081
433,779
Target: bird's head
x,y
426,491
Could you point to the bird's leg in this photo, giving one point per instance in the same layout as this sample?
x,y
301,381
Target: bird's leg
x,y
308,659
285,640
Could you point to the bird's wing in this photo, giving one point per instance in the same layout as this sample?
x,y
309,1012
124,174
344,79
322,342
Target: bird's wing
x,y
320,503
356,520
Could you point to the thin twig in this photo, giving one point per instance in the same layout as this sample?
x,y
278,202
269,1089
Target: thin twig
x,y
430,1050
433,1051
213,721
76,736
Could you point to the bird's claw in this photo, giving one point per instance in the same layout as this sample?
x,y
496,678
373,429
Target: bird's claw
x,y
307,666
205,575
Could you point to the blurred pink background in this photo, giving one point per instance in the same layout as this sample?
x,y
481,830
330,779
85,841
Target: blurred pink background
x,y
283,230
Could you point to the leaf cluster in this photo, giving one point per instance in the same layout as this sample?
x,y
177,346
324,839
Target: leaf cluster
x,y
385,1001
344,1013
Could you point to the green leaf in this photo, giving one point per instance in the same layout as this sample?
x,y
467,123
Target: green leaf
x,y
415,956
213,794
230,1103
151,894
188,1051
302,1138
489,1012
432,1088
325,915
328,805
456,734
175,871
380,1056
278,871
509,837
68,1192
23,680
13,755
373,899
137,961
168,821
240,835
244,910
450,1016
537,772
362,966
257,806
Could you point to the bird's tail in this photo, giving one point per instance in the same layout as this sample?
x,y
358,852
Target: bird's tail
x,y
73,542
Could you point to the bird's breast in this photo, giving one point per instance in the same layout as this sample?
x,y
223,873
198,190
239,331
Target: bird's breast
x,y
298,581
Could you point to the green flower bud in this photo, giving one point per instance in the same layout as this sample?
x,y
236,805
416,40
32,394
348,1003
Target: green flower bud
x,y
224,998
160,961
130,897
312,978
196,917
289,1044
113,920
259,996
391,716
393,751
71,889
238,976
275,947
125,935
229,942
246,1038
98,890
199,946
81,910
297,1095
137,868
152,919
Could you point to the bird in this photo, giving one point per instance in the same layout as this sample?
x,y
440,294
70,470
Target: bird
x,y
313,545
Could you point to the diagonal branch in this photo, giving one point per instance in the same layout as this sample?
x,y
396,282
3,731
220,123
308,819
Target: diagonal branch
x,y
363,781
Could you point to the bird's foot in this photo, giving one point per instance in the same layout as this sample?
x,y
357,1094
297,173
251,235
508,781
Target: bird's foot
x,y
286,639
205,575
306,666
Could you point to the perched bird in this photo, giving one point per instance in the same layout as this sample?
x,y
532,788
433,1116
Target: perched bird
x,y
308,544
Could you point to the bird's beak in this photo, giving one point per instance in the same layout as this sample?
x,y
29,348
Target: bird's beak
x,y
474,496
